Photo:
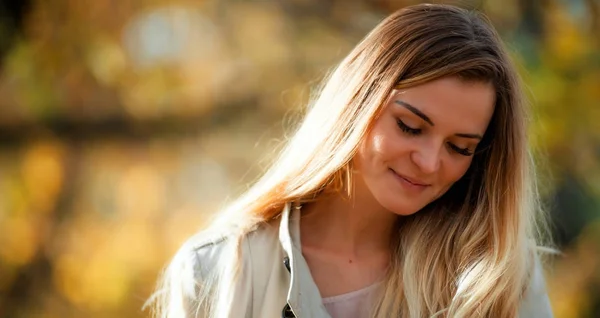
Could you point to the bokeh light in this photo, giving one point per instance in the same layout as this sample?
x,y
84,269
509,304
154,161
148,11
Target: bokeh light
x,y
125,124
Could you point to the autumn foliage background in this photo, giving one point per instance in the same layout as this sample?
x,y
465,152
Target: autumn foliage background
x,y
124,124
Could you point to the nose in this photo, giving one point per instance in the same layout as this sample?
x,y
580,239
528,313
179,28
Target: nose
x,y
428,157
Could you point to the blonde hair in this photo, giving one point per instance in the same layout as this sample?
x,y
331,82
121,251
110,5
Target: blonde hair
x,y
480,236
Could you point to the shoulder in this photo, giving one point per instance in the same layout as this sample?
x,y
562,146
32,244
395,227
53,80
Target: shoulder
x,y
233,266
204,250
535,302
210,249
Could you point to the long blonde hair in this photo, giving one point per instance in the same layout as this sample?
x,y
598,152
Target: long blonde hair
x,y
480,236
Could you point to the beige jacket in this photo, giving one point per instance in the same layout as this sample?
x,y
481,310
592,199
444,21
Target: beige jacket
x,y
276,282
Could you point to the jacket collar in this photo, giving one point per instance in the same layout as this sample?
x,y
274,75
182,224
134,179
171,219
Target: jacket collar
x,y
303,294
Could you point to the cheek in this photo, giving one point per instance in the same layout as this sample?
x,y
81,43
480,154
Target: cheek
x,y
369,152
381,150
455,172
377,145
382,146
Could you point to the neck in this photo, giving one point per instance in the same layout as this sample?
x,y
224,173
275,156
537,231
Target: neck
x,y
355,227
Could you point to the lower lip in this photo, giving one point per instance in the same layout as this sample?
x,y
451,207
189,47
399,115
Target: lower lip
x,y
408,185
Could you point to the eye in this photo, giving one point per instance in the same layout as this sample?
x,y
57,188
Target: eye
x,y
461,151
407,129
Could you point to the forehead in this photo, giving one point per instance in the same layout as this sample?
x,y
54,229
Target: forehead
x,y
452,103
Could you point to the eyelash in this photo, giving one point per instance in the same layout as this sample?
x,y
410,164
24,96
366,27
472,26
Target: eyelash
x,y
415,132
405,128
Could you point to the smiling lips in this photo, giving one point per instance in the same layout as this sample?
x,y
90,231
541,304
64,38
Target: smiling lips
x,y
411,181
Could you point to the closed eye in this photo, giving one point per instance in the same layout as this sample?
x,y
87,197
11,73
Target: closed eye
x,y
459,150
407,129
416,131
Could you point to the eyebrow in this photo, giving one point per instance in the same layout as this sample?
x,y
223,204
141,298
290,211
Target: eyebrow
x,y
472,136
415,111
426,118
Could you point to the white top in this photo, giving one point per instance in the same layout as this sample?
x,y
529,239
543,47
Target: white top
x,y
356,304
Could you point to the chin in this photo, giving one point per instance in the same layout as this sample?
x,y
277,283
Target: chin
x,y
404,212
401,209
402,205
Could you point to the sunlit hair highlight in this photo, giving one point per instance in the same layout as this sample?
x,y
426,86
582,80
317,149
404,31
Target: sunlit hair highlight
x,y
480,236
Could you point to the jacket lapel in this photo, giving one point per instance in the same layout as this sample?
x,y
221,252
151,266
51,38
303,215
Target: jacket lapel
x,y
303,297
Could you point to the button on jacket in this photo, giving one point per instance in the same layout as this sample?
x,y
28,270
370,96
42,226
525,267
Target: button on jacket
x,y
275,280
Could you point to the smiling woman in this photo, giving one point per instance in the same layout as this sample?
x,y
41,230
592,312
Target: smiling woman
x,y
423,142
407,191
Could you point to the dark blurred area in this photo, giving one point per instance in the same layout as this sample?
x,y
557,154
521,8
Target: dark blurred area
x,y
124,124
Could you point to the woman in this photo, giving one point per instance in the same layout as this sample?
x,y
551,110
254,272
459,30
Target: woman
x,y
407,191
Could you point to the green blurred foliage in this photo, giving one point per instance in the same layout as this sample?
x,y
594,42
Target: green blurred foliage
x,y
125,124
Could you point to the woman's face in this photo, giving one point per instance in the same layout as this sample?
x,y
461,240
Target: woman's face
x,y
423,142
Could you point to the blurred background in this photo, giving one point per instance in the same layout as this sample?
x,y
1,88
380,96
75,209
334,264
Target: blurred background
x,y
125,123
